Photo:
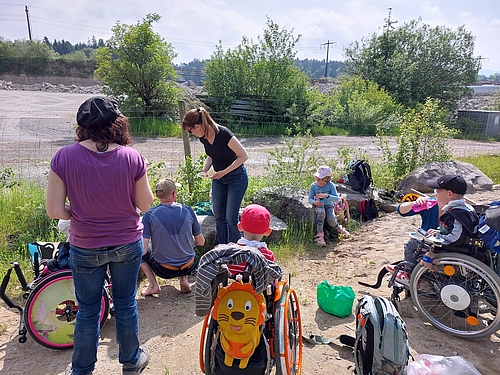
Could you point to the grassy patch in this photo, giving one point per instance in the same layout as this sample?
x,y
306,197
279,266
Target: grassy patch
x,y
488,164
154,127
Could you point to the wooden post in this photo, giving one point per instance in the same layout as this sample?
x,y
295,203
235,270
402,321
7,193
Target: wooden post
x,y
187,145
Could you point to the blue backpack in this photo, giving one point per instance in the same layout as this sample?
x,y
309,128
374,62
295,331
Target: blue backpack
x,y
489,227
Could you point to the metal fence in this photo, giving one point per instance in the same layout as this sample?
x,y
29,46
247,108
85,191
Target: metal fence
x,y
34,125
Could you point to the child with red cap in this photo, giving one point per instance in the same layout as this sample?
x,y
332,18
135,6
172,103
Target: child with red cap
x,y
254,225
322,195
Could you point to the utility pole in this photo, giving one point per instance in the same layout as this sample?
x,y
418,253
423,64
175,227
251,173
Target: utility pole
x,y
28,19
327,44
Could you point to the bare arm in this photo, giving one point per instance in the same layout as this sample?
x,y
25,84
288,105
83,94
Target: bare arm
x,y
199,240
145,241
143,194
241,157
207,165
55,198
406,207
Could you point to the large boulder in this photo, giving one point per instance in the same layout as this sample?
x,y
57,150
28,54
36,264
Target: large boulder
x,y
207,224
476,180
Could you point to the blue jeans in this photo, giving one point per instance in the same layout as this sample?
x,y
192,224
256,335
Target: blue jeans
x,y
322,214
227,195
89,268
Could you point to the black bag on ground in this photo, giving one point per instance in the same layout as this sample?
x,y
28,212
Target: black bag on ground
x,y
359,175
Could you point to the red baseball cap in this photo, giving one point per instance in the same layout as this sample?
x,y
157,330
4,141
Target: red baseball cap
x,y
255,219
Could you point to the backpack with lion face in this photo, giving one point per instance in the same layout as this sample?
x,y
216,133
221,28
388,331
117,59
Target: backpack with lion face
x,y
239,310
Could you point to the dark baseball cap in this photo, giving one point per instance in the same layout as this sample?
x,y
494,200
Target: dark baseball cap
x,y
96,110
451,182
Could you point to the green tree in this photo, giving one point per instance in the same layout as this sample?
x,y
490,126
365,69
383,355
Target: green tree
x,y
423,138
25,56
265,70
358,106
416,61
136,65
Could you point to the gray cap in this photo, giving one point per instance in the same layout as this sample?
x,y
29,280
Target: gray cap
x,y
166,186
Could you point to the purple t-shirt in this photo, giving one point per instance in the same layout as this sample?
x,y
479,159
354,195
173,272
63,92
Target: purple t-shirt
x,y
101,192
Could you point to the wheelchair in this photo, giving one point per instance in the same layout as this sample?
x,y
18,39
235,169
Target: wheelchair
x,y
49,310
461,297
280,341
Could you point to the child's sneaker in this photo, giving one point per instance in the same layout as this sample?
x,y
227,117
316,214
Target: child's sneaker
x,y
401,279
341,230
141,364
320,239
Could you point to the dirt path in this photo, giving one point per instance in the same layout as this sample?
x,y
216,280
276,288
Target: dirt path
x,y
171,330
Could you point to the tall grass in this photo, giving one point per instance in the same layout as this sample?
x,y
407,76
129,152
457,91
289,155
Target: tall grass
x,y
22,220
154,127
488,164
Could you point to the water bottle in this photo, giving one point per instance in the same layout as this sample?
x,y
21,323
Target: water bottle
x,y
431,202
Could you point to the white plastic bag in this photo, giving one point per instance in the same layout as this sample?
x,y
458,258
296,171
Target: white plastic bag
x,y
426,364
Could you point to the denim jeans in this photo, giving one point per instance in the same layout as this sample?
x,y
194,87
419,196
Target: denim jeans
x,y
322,214
89,268
227,195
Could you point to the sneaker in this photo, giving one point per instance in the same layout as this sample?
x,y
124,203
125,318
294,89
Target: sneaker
x,y
390,268
141,363
401,279
69,370
320,240
341,230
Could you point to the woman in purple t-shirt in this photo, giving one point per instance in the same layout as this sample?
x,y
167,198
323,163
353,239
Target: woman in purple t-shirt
x,y
105,182
230,181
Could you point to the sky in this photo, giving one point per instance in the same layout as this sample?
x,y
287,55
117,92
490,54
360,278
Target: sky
x,y
195,27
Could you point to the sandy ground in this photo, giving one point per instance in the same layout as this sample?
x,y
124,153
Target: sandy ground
x,y
168,325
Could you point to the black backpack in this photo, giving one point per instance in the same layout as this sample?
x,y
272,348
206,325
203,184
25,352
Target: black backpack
x,y
359,175
381,345
368,209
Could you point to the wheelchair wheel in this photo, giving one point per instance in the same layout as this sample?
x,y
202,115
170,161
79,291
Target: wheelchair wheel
x,y
287,334
460,298
51,309
208,342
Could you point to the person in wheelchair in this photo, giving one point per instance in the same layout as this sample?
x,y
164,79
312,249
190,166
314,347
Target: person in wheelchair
x,y
238,290
450,218
254,224
458,221
173,231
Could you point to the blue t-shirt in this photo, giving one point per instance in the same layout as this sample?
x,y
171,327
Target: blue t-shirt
x,y
329,189
170,228
429,217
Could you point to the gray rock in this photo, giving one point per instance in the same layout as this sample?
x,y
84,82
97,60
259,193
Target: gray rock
x,y
476,180
207,224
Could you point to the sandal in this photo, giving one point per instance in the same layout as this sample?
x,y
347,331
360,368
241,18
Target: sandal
x,y
319,239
